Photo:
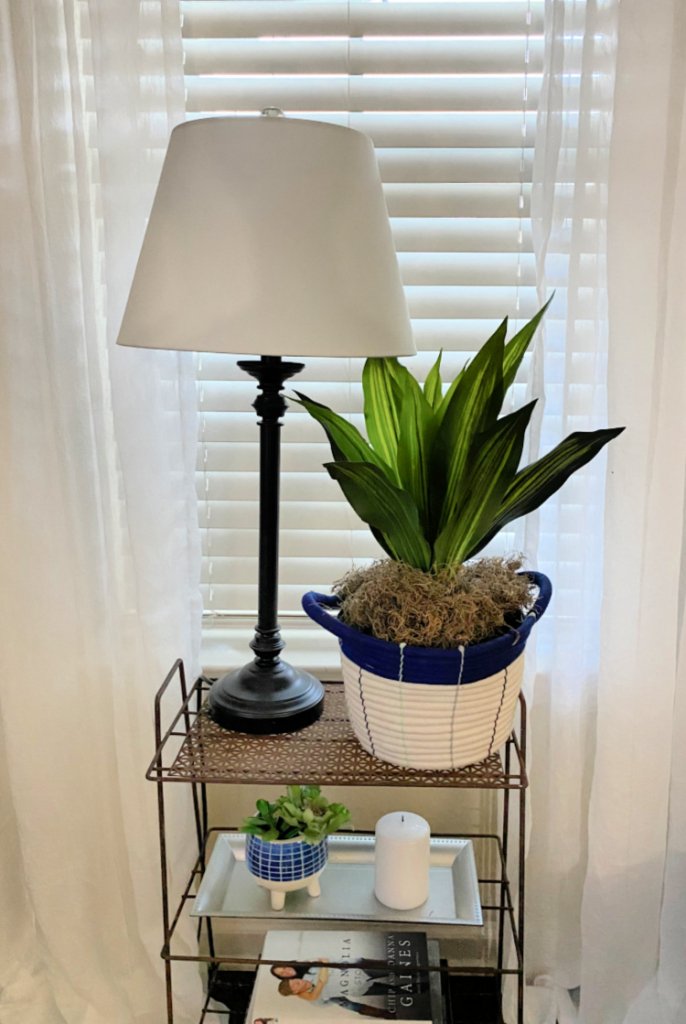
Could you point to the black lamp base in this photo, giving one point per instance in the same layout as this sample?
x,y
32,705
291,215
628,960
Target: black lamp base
x,y
266,698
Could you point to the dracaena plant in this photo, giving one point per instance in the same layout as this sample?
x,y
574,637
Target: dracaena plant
x,y
302,812
439,473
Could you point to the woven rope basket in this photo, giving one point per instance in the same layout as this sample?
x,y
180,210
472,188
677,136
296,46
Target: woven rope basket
x,y
429,708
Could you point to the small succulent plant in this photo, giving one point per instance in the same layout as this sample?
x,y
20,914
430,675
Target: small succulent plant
x,y
301,813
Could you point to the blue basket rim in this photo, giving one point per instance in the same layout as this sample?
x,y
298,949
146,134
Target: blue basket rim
x,y
316,606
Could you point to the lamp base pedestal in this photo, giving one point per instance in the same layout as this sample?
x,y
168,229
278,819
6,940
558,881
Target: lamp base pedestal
x,y
262,698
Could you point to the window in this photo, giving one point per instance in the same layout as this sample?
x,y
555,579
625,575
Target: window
x,y
447,91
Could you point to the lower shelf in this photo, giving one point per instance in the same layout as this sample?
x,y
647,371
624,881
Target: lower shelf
x,y
467,999
228,890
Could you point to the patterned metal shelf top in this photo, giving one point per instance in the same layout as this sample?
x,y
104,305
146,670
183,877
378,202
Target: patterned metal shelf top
x,y
325,752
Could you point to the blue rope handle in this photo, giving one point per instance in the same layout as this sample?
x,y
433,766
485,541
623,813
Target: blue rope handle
x,y
545,592
316,606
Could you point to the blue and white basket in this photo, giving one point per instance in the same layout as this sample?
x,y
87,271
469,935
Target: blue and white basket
x,y
430,708
284,865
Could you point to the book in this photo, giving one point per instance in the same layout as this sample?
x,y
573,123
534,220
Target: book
x,y
373,975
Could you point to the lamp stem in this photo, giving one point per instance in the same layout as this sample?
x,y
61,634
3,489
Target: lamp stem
x,y
270,372
268,695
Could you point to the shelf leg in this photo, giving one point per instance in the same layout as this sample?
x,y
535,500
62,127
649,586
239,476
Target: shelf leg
x,y
520,907
503,866
204,829
165,900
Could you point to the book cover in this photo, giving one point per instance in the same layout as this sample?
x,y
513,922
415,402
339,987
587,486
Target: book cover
x,y
304,988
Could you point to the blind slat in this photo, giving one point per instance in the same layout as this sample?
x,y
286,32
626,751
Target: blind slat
x,y
434,199
237,543
246,18
358,56
453,166
493,133
339,92
415,234
476,270
239,515
242,570
241,598
295,487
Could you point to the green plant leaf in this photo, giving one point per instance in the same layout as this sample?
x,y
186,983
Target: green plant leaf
x,y
490,472
380,540
497,338
387,508
301,809
295,794
433,386
383,394
265,811
472,410
252,824
347,443
415,442
535,483
518,344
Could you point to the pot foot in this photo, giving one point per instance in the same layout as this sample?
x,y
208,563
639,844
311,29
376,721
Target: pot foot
x,y
278,900
313,888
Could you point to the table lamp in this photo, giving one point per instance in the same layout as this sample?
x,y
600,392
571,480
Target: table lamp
x,y
268,236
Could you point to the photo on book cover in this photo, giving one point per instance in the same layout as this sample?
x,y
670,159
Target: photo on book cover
x,y
305,988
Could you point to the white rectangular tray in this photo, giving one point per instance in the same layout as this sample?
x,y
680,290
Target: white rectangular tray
x,y
228,890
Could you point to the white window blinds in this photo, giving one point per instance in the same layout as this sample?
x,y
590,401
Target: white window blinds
x,y
447,91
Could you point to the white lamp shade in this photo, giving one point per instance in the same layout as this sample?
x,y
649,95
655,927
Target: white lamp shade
x,y
268,235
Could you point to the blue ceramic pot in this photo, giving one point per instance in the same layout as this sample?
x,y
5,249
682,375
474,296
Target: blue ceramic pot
x,y
284,860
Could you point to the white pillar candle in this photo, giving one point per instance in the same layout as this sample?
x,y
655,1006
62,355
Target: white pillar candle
x,y
401,860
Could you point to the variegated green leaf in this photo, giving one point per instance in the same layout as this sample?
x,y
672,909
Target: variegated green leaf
x,y
380,540
473,409
433,385
535,483
518,344
347,443
491,470
497,338
383,397
415,441
385,507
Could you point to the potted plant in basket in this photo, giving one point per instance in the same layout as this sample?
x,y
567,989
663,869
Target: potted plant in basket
x,y
286,845
432,641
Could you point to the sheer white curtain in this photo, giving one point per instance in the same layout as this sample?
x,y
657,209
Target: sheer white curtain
x,y
634,912
609,720
569,221
99,554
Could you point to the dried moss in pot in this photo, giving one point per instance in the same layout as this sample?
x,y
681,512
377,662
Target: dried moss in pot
x,y
444,608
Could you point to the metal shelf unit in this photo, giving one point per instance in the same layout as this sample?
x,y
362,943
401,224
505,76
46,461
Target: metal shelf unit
x,y
193,750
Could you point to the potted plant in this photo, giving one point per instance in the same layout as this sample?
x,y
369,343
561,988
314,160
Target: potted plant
x,y
437,478
286,845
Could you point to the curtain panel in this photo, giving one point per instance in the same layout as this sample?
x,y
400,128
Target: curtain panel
x,y
99,548
634,909
606,934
